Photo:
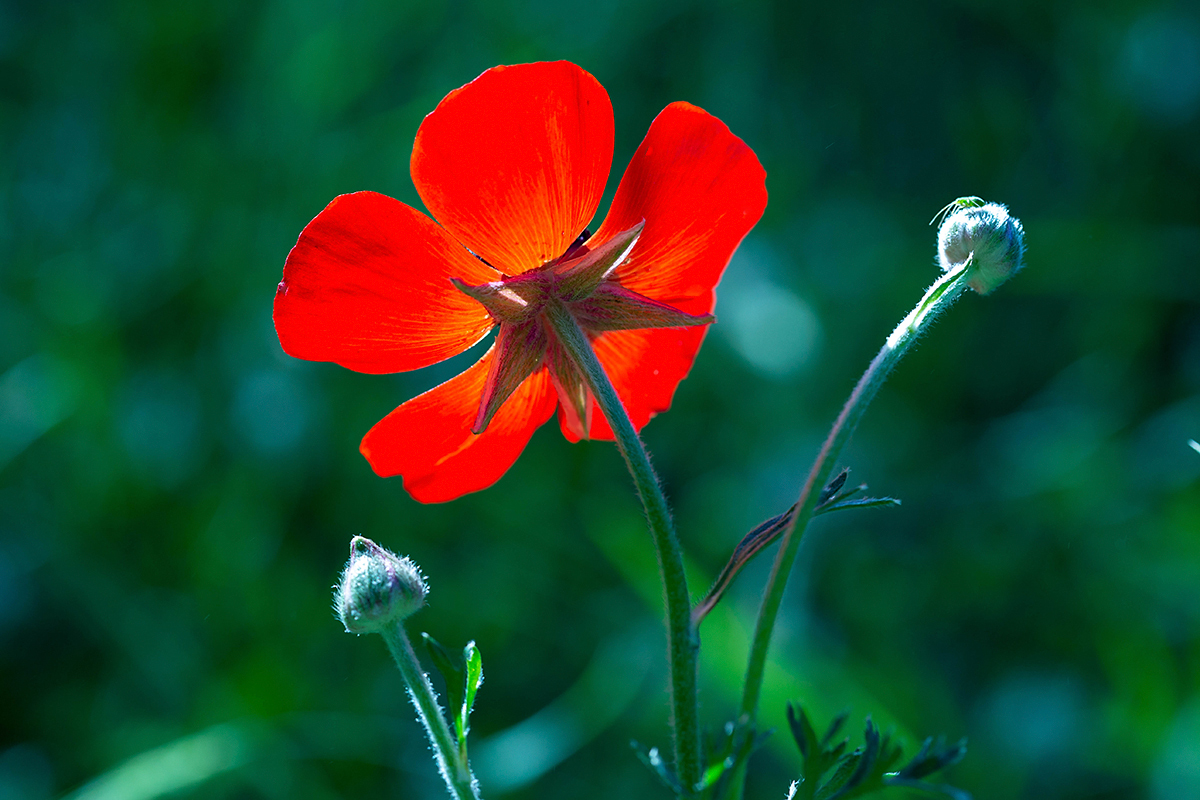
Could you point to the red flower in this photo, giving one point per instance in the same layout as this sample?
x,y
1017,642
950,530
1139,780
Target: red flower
x,y
513,166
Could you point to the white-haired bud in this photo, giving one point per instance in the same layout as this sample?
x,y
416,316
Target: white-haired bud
x,y
377,588
987,235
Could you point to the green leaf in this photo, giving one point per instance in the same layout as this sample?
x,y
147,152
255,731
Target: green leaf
x,y
473,680
452,672
750,545
842,774
869,754
802,731
862,502
714,773
834,727
833,487
933,757
869,768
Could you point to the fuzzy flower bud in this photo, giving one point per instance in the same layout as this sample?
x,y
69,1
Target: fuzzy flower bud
x,y
986,234
377,587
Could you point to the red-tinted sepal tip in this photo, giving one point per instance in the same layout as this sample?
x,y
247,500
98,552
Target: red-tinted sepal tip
x,y
612,307
512,301
575,402
645,367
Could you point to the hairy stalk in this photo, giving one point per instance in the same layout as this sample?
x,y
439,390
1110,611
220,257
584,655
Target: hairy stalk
x,y
454,768
683,642
939,297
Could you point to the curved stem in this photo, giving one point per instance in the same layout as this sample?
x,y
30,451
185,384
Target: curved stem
x,y
939,296
453,767
683,642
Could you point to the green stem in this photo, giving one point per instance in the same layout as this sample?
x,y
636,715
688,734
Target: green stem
x,y
939,296
453,767
683,643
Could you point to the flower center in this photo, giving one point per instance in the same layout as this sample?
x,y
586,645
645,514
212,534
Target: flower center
x,y
578,282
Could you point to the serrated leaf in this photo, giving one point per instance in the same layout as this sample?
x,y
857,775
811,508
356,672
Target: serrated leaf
x,y
862,502
840,778
869,768
933,757
764,534
840,496
866,761
834,727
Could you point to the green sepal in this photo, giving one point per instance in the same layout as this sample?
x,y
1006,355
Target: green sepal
x,y
518,353
578,277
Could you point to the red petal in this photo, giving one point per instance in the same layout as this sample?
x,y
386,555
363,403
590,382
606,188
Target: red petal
x,y
645,367
428,439
700,190
368,286
514,163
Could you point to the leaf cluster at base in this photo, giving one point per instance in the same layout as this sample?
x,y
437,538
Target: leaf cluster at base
x,y
830,773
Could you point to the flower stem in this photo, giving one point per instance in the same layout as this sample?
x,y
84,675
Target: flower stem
x,y
454,769
683,643
940,296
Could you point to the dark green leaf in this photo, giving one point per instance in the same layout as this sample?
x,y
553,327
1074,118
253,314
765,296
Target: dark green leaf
x,y
862,502
750,545
832,487
834,727
933,757
802,731
451,669
840,779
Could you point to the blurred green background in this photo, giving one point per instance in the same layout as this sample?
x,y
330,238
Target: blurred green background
x,y
177,495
